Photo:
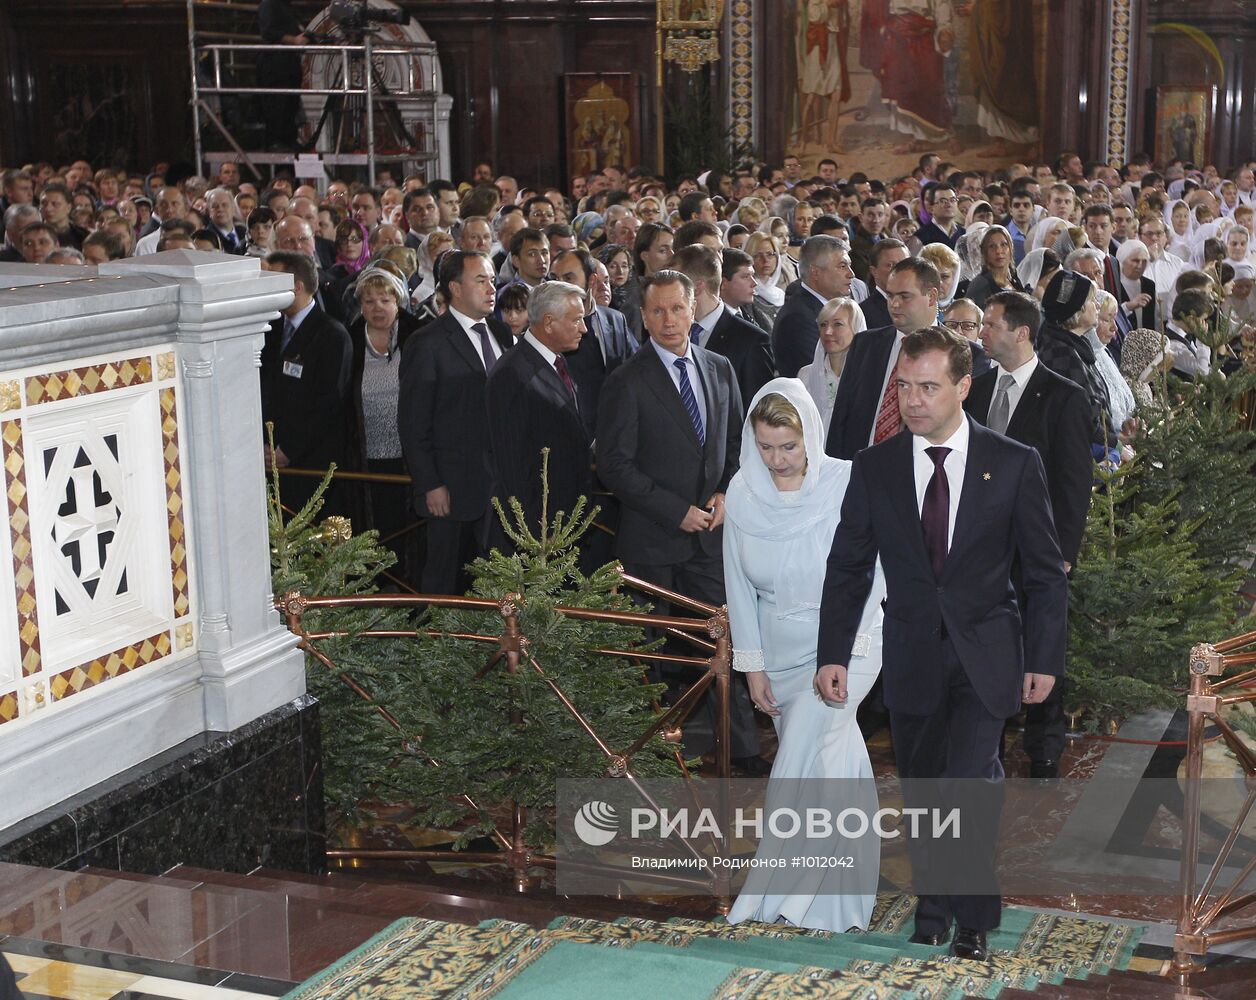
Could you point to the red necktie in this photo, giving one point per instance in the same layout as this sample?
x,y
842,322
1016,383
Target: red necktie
x,y
935,512
889,421
560,366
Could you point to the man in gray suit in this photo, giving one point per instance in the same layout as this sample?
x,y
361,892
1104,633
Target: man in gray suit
x,y
668,441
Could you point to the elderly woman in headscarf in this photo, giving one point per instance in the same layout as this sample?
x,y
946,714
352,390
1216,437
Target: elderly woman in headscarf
x,y
1069,309
771,276
1036,269
1099,337
1179,221
377,337
994,246
1135,292
1046,232
949,268
1142,359
840,319
1240,302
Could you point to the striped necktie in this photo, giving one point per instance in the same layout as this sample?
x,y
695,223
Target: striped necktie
x,y
690,400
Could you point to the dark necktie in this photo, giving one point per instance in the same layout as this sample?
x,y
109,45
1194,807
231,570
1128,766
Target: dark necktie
x,y
486,347
695,334
289,331
560,366
690,400
935,512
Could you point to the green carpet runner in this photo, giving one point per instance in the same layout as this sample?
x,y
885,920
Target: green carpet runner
x,y
576,958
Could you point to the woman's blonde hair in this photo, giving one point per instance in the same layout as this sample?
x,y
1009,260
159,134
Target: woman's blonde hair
x,y
940,256
757,240
774,410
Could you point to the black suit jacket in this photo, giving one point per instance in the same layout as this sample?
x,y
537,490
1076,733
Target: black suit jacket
x,y
1053,416
607,343
442,415
875,309
795,332
1145,317
859,392
529,408
309,401
10,255
325,252
1003,512
648,454
747,348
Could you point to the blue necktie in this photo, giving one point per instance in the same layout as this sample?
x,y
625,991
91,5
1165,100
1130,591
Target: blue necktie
x,y
695,334
690,400
289,331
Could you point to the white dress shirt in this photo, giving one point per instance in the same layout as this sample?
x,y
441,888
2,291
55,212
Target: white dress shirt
x,y
1016,389
540,348
691,369
708,322
953,465
466,323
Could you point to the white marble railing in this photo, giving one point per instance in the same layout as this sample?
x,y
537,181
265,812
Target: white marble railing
x,y
135,605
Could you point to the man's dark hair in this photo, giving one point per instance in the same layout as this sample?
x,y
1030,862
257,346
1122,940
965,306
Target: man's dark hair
x,y
1185,281
1019,191
693,231
296,264
1019,310
826,160
690,205
827,225
453,264
585,258
884,246
37,227
1192,302
111,243
858,177
667,276
410,197
617,197
205,235
56,186
646,236
560,230
1150,179
525,236
269,194
870,202
436,187
1094,211
959,355
734,261
700,263
260,215
482,201
172,226
537,199
931,190
926,274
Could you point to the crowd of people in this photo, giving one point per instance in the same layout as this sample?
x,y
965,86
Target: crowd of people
x,y
728,363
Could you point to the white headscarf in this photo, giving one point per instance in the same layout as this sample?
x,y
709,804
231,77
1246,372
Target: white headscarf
x,y
1132,286
772,291
1214,230
1038,236
803,528
1168,219
818,377
969,249
1029,270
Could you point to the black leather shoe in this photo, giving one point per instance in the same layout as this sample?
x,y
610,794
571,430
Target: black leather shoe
x,y
970,944
752,767
932,940
1044,770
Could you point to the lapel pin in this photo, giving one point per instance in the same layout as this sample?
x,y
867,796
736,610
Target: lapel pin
x,y
986,476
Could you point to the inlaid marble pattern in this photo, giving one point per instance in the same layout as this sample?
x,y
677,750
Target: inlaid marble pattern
x,y
81,511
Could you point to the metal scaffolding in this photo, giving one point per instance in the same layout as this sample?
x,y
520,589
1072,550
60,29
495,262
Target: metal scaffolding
x,y
223,48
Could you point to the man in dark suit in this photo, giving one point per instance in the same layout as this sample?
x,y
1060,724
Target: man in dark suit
x,y
945,509
305,380
1031,404
307,210
668,441
533,404
824,269
718,328
220,207
866,411
881,260
442,418
607,342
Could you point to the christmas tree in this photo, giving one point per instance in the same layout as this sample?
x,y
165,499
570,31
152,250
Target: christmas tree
x,y
431,718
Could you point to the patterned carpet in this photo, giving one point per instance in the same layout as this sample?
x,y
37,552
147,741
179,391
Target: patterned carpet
x,y
576,958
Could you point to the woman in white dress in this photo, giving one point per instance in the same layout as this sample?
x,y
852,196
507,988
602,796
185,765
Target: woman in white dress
x,y
781,511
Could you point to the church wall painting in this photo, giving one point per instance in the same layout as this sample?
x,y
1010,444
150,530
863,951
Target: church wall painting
x,y
602,121
876,83
1184,123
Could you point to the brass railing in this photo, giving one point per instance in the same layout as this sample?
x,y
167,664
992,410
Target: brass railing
x,y
708,633
1200,909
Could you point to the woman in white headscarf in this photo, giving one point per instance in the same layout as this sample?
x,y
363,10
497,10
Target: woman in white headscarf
x,y
770,279
1099,337
968,247
1046,232
840,319
781,511
1179,223
1136,293
1037,266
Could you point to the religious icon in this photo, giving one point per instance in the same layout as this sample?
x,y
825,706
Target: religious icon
x,y
601,121
1183,120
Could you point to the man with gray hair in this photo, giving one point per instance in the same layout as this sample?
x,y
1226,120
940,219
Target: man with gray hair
x,y
16,218
825,273
533,405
